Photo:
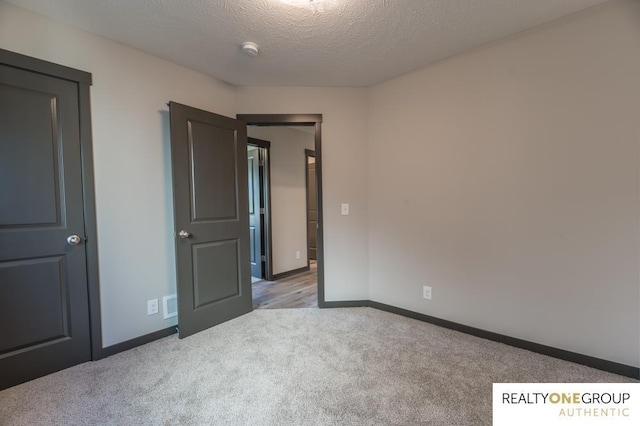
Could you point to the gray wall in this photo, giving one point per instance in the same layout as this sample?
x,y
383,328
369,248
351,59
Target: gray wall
x,y
507,179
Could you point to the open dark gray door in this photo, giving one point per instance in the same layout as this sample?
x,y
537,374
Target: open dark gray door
x,y
209,163
255,228
44,310
312,227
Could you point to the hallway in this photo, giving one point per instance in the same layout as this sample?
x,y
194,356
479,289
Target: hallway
x,y
296,291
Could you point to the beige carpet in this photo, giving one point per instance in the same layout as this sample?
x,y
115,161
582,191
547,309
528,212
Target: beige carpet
x,y
355,366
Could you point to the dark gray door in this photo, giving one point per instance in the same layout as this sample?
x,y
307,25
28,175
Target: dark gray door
x,y
255,228
311,208
209,162
44,312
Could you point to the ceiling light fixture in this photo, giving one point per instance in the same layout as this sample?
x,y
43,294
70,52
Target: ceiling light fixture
x,y
299,2
309,4
250,48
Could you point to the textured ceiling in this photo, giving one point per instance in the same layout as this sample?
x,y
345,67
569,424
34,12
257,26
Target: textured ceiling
x,y
311,43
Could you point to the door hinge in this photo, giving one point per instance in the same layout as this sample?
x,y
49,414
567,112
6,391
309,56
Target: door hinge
x,y
263,258
261,163
261,210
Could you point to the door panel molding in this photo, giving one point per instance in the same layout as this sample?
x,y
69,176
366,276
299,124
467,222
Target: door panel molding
x,y
314,120
200,156
216,255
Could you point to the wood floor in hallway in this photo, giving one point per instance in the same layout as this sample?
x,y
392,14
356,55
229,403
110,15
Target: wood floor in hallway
x,y
296,291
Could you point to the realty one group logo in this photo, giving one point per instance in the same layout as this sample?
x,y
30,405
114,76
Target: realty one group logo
x,y
553,404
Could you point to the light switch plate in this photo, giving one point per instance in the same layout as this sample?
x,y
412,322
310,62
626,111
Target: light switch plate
x,y
345,209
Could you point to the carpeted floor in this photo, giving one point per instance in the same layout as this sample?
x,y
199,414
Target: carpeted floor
x,y
356,366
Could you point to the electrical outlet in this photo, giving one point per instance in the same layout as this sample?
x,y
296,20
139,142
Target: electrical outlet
x,y
298,255
152,306
426,292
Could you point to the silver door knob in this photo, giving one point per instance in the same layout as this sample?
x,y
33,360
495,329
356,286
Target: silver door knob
x,y
184,234
73,240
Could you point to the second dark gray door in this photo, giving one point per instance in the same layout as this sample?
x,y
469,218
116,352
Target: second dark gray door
x,y
44,310
209,164
255,228
312,221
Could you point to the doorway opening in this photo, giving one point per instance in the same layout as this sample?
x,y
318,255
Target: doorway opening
x,y
288,232
259,186
312,222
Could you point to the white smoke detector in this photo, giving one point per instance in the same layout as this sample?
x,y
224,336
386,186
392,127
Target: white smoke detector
x,y
249,48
